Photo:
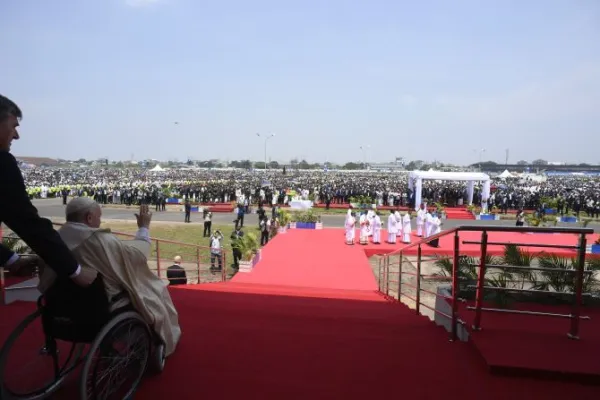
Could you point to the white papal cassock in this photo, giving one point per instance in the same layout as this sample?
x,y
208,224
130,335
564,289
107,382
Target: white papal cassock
x,y
392,228
376,229
406,228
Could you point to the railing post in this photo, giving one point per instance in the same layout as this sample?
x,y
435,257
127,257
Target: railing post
x,y
380,276
480,282
2,291
455,286
158,258
386,265
400,262
198,262
418,283
224,264
578,295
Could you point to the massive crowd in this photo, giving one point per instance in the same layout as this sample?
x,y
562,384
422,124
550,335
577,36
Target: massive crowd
x,y
134,186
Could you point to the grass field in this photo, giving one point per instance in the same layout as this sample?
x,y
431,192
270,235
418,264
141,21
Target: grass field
x,y
180,239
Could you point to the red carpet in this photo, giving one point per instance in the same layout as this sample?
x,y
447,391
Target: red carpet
x,y
268,346
522,344
447,243
459,213
312,258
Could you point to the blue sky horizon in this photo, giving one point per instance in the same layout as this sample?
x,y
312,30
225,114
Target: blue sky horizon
x,y
430,80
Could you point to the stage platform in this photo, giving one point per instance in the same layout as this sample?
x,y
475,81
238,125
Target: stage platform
x,y
446,243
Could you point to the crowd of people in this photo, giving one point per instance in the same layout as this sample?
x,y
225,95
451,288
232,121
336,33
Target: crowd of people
x,y
137,186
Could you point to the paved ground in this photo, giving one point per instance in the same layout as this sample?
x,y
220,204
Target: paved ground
x,y
53,208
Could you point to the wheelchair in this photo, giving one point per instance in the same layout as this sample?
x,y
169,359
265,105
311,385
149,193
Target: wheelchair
x,y
112,350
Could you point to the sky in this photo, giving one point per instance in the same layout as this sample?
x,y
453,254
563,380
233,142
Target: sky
x,y
423,80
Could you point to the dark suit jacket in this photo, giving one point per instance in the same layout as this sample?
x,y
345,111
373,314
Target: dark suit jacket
x,y
17,212
5,254
176,275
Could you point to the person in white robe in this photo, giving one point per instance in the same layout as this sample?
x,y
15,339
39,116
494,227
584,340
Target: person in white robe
x,y
428,226
350,228
406,228
377,229
436,227
123,265
398,224
370,217
392,228
420,220
364,229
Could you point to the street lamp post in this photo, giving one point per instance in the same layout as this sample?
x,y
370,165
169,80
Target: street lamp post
x,y
364,150
267,137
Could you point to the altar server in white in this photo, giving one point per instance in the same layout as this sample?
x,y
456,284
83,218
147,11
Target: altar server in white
x,y
398,223
392,228
420,220
428,224
370,216
349,226
406,228
364,229
436,227
377,229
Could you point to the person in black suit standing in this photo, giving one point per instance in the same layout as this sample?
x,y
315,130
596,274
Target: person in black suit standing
x,y
18,213
176,274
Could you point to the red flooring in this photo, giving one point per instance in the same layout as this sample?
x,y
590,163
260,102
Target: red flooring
x,y
293,329
522,344
459,213
311,258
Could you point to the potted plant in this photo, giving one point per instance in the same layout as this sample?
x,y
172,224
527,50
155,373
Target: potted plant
x,y
284,221
249,249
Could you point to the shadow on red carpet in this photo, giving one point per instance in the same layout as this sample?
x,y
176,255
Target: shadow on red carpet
x,y
527,345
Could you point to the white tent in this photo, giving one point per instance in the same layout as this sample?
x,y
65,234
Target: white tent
x,y
157,168
506,174
415,183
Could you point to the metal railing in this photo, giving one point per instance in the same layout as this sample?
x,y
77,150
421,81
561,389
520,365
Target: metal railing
x,y
389,260
196,261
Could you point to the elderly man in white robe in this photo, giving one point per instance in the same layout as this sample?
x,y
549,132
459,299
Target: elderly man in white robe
x,y
406,228
123,265
399,226
370,217
428,225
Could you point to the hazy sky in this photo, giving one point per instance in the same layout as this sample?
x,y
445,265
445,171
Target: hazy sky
x,y
415,79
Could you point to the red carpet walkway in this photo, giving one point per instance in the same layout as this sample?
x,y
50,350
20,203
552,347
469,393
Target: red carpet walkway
x,y
314,259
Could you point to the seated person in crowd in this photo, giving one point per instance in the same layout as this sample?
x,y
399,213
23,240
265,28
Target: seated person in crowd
x,y
123,265
176,274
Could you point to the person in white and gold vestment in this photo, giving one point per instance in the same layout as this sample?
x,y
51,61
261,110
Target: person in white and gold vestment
x,y
123,265
350,228
364,228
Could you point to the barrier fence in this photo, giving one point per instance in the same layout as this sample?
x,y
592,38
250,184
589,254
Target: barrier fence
x,y
196,261
390,267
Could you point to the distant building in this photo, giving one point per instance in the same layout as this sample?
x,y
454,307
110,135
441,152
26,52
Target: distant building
x,y
387,166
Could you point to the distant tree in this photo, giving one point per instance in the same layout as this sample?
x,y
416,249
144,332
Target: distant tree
x,y
259,165
522,162
304,165
414,165
294,163
274,165
352,166
584,165
540,162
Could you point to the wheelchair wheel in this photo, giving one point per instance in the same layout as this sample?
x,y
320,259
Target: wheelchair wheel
x,y
159,358
32,367
117,359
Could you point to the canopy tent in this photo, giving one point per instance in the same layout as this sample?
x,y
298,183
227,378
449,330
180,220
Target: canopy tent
x,y
505,175
415,183
157,168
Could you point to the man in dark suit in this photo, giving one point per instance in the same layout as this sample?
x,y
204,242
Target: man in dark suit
x,y
176,274
17,212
